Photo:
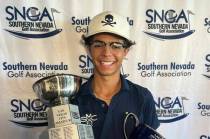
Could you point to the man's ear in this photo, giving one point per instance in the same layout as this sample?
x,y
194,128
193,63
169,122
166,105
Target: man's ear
x,y
126,51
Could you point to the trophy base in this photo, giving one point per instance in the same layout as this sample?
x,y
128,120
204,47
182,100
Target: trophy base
x,y
72,131
63,115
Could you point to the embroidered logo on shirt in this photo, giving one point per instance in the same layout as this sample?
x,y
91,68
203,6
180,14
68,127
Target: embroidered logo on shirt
x,y
89,119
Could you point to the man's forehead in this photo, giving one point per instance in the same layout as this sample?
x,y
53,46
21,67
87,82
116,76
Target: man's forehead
x,y
107,36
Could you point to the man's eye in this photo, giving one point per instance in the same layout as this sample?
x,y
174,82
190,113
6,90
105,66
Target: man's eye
x,y
97,44
117,46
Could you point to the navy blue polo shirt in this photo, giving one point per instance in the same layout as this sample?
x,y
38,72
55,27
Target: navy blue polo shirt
x,y
107,120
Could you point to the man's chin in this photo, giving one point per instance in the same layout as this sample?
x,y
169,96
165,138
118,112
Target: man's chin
x,y
107,73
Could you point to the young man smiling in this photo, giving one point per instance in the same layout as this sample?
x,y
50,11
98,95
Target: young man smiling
x,y
105,98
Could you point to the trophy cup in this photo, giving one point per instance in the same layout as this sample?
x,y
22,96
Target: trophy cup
x,y
63,118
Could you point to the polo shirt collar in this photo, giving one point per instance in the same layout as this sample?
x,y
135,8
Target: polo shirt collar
x,y
87,90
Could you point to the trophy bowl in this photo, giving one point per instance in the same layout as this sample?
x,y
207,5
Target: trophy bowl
x,y
57,89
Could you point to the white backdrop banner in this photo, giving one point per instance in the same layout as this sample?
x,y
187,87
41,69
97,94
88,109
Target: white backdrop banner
x,y
171,58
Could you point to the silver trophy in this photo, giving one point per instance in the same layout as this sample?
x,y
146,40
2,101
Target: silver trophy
x,y
63,118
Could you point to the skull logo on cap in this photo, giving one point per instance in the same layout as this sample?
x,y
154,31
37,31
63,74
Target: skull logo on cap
x,y
108,20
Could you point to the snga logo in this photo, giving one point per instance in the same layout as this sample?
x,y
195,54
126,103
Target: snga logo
x,y
28,113
207,65
31,23
170,109
168,24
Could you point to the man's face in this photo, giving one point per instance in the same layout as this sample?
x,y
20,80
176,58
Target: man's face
x,y
107,54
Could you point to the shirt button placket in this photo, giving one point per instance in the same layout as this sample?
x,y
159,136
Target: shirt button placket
x,y
104,107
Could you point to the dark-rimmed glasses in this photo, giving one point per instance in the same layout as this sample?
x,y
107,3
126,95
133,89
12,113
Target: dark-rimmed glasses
x,y
113,45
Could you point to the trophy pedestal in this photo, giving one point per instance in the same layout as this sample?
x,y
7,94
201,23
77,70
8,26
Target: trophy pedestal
x,y
62,115
72,131
64,123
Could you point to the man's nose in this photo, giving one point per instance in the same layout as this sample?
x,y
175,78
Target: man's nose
x,y
107,50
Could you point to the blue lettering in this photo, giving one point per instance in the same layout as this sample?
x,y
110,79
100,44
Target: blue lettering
x,y
73,20
167,102
31,13
208,59
157,104
5,66
182,16
177,102
85,61
17,12
45,13
164,103
9,13
202,106
204,137
15,106
35,105
38,106
82,60
161,17
83,21
22,105
199,105
169,16
207,22
150,16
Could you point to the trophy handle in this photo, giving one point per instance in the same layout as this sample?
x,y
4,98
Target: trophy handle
x,y
125,121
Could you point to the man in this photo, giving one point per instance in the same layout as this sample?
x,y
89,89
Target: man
x,y
107,96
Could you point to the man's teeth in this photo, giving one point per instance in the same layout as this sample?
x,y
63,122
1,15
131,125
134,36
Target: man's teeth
x,y
107,63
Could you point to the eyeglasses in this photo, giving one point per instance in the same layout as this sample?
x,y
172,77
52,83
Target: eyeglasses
x,y
101,44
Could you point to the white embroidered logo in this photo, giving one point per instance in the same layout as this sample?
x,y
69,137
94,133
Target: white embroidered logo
x,y
89,119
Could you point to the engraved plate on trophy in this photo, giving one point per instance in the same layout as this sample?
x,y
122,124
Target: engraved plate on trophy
x,y
63,118
72,131
63,115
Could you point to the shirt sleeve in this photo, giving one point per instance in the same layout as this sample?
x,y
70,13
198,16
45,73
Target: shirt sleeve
x,y
150,115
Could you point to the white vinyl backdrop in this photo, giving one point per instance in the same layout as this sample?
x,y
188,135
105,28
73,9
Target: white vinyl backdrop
x,y
184,91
